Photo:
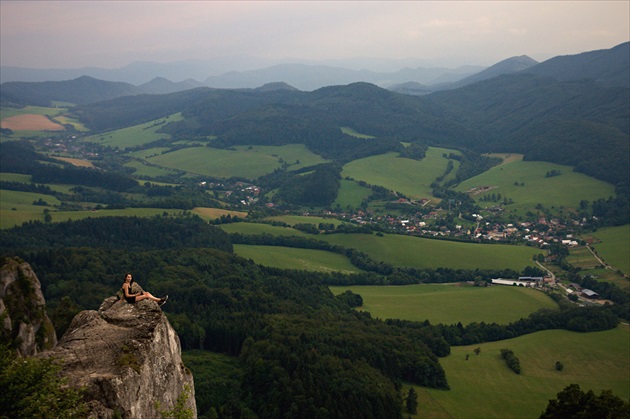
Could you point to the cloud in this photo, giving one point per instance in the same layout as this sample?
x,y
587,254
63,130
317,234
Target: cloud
x,y
115,33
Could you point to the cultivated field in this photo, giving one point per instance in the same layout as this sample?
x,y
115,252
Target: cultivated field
x,y
292,258
484,387
533,187
214,213
30,122
75,162
410,177
450,303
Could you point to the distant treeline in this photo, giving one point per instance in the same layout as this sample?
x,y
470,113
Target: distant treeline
x,y
158,232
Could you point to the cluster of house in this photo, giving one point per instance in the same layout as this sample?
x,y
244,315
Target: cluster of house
x,y
422,225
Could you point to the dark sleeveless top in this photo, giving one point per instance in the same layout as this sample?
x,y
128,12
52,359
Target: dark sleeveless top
x,y
131,299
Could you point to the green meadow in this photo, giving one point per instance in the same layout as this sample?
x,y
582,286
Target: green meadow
x,y
409,251
614,246
400,250
351,194
152,171
450,303
292,258
410,177
36,110
292,220
533,187
136,135
15,177
23,213
484,387
260,228
17,207
247,162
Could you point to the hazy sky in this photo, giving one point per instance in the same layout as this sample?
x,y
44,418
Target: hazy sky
x,y
64,34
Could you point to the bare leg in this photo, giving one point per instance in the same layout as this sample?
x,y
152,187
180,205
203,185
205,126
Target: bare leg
x,y
147,295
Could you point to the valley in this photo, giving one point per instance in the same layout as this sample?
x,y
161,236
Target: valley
x,y
299,232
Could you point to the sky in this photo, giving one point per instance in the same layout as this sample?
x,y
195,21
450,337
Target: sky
x,y
112,34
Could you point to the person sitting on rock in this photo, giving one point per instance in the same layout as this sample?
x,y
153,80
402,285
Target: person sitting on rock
x,y
134,297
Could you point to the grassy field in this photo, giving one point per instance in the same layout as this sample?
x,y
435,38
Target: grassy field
x,y
483,386
11,218
17,207
351,194
36,110
15,177
134,136
400,250
450,303
247,162
565,190
410,177
260,228
296,156
582,258
142,169
292,258
292,220
214,213
615,246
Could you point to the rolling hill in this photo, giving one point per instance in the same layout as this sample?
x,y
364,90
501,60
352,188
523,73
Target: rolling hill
x,y
80,91
580,123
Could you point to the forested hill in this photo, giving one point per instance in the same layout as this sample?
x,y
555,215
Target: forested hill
x,y
577,123
608,67
574,123
78,91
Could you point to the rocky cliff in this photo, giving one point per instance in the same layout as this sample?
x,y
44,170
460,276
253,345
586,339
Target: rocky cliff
x,y
128,358
23,309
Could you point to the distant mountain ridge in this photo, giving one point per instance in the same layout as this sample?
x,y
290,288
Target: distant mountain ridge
x,y
508,66
78,91
312,77
608,67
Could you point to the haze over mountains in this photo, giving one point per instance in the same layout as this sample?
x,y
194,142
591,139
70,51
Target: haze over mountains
x,y
606,67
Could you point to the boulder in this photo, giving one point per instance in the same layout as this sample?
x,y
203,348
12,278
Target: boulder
x,y
23,318
128,359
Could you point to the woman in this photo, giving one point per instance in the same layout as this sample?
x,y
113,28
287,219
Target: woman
x,y
138,296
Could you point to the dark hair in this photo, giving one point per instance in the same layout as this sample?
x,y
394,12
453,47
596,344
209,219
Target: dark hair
x,y
130,282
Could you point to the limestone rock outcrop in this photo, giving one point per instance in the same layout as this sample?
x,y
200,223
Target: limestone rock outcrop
x,y
128,358
23,309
